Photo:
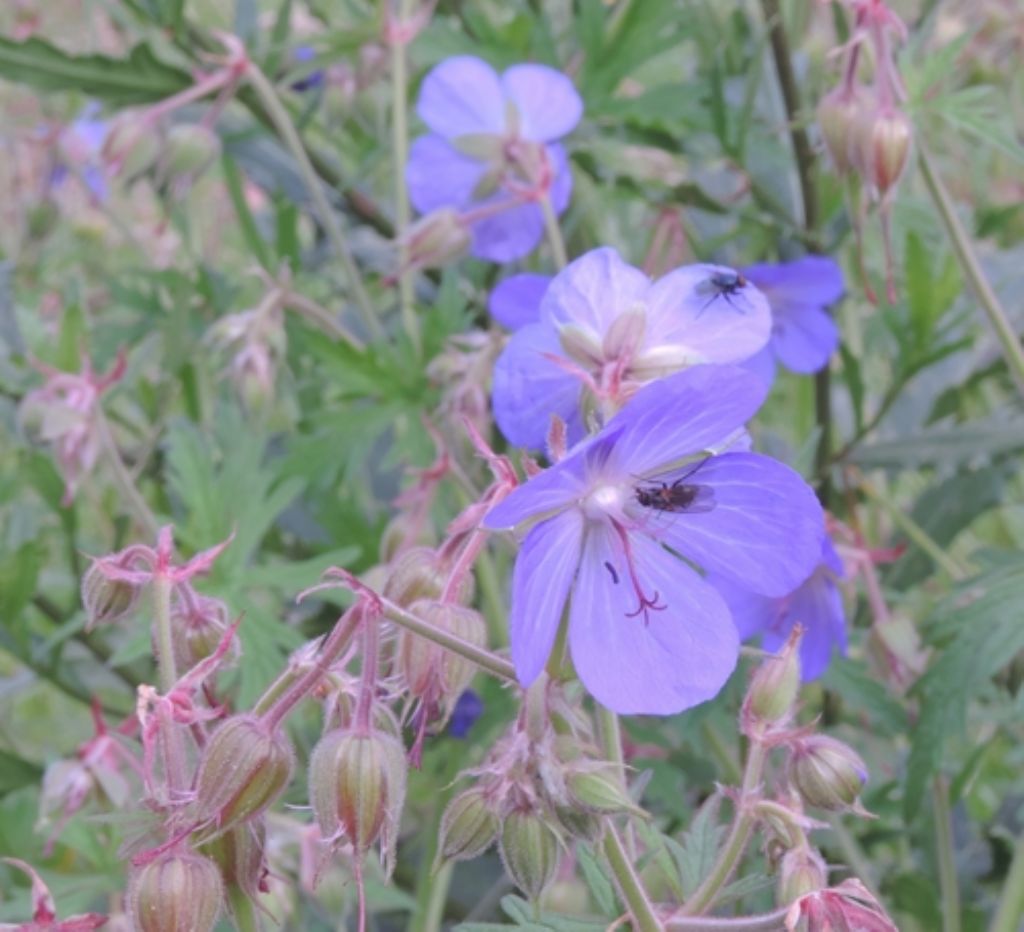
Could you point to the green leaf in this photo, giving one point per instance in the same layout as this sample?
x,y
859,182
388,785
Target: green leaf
x,y
950,446
856,685
16,772
250,231
525,917
137,79
597,882
696,855
985,614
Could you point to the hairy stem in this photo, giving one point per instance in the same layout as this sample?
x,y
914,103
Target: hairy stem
x,y
554,233
630,889
1009,342
739,835
948,883
130,493
766,922
278,114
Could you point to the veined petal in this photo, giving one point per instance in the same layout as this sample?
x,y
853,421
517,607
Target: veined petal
x,y
751,613
462,95
679,656
440,176
528,388
549,492
804,338
593,290
515,301
818,606
685,413
762,364
687,309
548,104
544,570
764,532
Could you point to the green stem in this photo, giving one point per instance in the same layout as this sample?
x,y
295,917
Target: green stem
x,y
483,658
400,155
123,479
1008,339
243,911
322,318
948,883
282,121
633,894
554,233
430,914
742,827
767,922
854,855
1010,910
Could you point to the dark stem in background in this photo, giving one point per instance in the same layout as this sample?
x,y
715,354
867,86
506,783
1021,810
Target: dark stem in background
x,y
804,156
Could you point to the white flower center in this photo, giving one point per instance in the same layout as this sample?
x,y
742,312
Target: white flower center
x,y
603,502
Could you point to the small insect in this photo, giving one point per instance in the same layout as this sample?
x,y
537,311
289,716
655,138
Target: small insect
x,y
678,496
724,283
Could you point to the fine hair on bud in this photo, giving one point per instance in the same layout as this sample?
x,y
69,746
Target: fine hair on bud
x,y
430,670
106,600
827,774
178,892
773,689
530,850
245,766
357,788
469,825
419,573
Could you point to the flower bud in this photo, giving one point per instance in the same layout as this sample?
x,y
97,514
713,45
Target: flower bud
x,y
773,688
599,789
106,599
429,670
529,851
244,768
178,892
827,774
199,624
357,787
626,333
838,114
802,871
418,573
882,140
239,853
132,145
468,827
189,151
583,824
435,239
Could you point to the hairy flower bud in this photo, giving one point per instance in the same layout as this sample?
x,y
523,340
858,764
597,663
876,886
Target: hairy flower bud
x,y
419,573
430,671
529,850
199,624
132,145
802,871
106,600
357,787
599,789
245,766
882,139
189,151
838,114
436,239
827,774
469,826
773,688
178,892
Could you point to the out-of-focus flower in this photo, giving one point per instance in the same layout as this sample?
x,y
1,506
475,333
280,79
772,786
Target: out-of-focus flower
x,y
302,55
79,147
256,342
492,152
64,413
605,329
847,906
468,708
804,335
816,604
646,632
515,301
44,910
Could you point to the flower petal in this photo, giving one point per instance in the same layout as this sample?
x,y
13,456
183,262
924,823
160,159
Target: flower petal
x,y
818,606
752,614
688,309
816,280
593,290
543,572
804,338
462,95
440,176
680,656
764,532
762,364
528,388
515,301
509,235
551,491
549,106
561,186
685,413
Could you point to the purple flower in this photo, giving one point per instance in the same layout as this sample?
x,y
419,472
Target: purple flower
x,y
816,603
646,632
515,301
79,146
804,335
604,329
492,152
468,708
301,55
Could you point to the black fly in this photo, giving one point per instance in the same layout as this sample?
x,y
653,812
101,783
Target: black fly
x,y
724,283
678,496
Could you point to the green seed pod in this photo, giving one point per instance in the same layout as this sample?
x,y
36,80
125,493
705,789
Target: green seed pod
x,y
244,768
239,853
827,774
357,787
106,600
468,827
179,892
599,789
529,850
838,114
802,871
773,688
427,667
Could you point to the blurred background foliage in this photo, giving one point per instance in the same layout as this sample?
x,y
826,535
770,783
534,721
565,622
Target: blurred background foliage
x,y
684,142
